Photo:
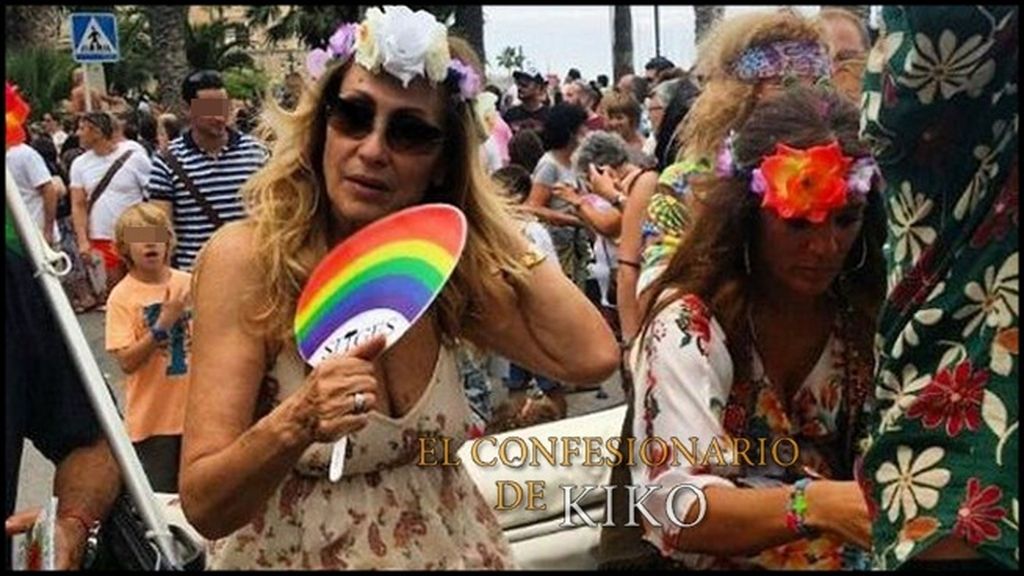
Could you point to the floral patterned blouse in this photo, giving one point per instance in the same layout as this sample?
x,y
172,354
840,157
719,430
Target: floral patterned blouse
x,y
385,511
684,388
939,108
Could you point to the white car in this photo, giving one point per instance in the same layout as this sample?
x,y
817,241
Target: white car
x,y
542,539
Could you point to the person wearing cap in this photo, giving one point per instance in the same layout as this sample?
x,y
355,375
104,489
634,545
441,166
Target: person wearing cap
x,y
532,110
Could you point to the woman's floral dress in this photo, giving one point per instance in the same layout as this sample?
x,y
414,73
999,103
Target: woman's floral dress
x,y
386,511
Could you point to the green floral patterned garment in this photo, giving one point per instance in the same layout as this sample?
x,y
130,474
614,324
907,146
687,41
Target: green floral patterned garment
x,y
940,110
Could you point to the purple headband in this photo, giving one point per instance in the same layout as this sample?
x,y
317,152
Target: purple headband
x,y
783,58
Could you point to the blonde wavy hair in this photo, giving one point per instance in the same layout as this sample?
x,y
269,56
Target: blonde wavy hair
x,y
290,212
725,102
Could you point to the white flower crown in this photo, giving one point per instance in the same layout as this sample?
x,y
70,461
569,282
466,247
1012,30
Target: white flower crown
x,y
404,43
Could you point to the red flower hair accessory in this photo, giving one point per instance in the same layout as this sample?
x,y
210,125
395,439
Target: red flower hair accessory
x,y
17,112
803,183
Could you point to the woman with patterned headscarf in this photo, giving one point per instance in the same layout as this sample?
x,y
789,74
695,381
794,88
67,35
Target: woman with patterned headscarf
x,y
743,59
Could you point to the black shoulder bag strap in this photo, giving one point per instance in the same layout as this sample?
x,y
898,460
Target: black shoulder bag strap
x,y
211,214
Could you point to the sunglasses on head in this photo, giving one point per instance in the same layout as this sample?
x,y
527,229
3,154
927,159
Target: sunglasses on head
x,y
404,133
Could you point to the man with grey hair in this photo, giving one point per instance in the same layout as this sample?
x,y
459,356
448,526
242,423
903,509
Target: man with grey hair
x,y
605,163
601,162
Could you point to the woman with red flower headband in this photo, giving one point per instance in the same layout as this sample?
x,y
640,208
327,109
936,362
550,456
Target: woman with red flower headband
x,y
742,59
389,124
761,330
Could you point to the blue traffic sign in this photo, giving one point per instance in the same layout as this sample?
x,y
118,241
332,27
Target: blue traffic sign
x,y
94,37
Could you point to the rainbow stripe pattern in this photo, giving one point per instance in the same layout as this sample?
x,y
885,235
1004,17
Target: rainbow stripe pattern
x,y
398,264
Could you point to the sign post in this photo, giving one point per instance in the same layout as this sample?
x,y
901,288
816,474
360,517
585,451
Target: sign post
x,y
93,41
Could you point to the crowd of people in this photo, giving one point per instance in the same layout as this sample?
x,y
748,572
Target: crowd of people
x,y
675,227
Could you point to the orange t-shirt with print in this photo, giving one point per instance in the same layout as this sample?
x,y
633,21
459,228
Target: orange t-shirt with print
x,y
157,391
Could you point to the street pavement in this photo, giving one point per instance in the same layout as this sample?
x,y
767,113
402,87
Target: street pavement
x,y
35,481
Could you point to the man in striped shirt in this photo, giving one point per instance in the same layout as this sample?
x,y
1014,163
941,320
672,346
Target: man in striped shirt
x,y
216,159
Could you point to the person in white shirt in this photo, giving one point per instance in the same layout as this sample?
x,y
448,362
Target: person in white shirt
x,y
94,228
37,188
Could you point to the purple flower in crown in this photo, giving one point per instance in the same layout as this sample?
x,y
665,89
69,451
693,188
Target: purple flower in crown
x,y
862,174
341,45
758,183
725,163
343,42
469,80
316,62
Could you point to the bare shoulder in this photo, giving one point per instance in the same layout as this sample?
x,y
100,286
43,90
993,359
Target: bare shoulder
x,y
646,183
230,252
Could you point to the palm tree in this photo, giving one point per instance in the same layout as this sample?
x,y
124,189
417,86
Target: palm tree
x,y
622,41
136,67
469,23
312,24
31,26
167,25
511,58
43,74
211,46
705,18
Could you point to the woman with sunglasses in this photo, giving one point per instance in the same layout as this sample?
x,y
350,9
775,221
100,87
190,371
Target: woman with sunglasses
x,y
760,334
389,124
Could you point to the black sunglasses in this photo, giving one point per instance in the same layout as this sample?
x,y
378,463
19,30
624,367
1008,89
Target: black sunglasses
x,y
405,133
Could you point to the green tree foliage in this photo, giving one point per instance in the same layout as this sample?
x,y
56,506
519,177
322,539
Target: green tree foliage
x,y
312,24
43,74
136,68
511,58
218,46
30,26
246,84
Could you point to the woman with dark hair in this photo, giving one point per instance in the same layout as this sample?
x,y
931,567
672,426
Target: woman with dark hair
x,y
563,130
675,98
525,149
786,233
742,59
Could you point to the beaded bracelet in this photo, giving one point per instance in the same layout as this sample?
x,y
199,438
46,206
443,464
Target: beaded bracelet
x,y
796,509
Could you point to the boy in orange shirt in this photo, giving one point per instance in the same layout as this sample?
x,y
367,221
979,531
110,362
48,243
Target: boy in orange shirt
x,y
148,329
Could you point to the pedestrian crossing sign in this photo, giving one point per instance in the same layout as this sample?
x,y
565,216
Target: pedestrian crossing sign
x,y
94,37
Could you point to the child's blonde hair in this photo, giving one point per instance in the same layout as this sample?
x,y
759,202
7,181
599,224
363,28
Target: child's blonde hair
x,y
142,214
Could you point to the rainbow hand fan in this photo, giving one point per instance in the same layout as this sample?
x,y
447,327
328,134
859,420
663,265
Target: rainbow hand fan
x,y
379,281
